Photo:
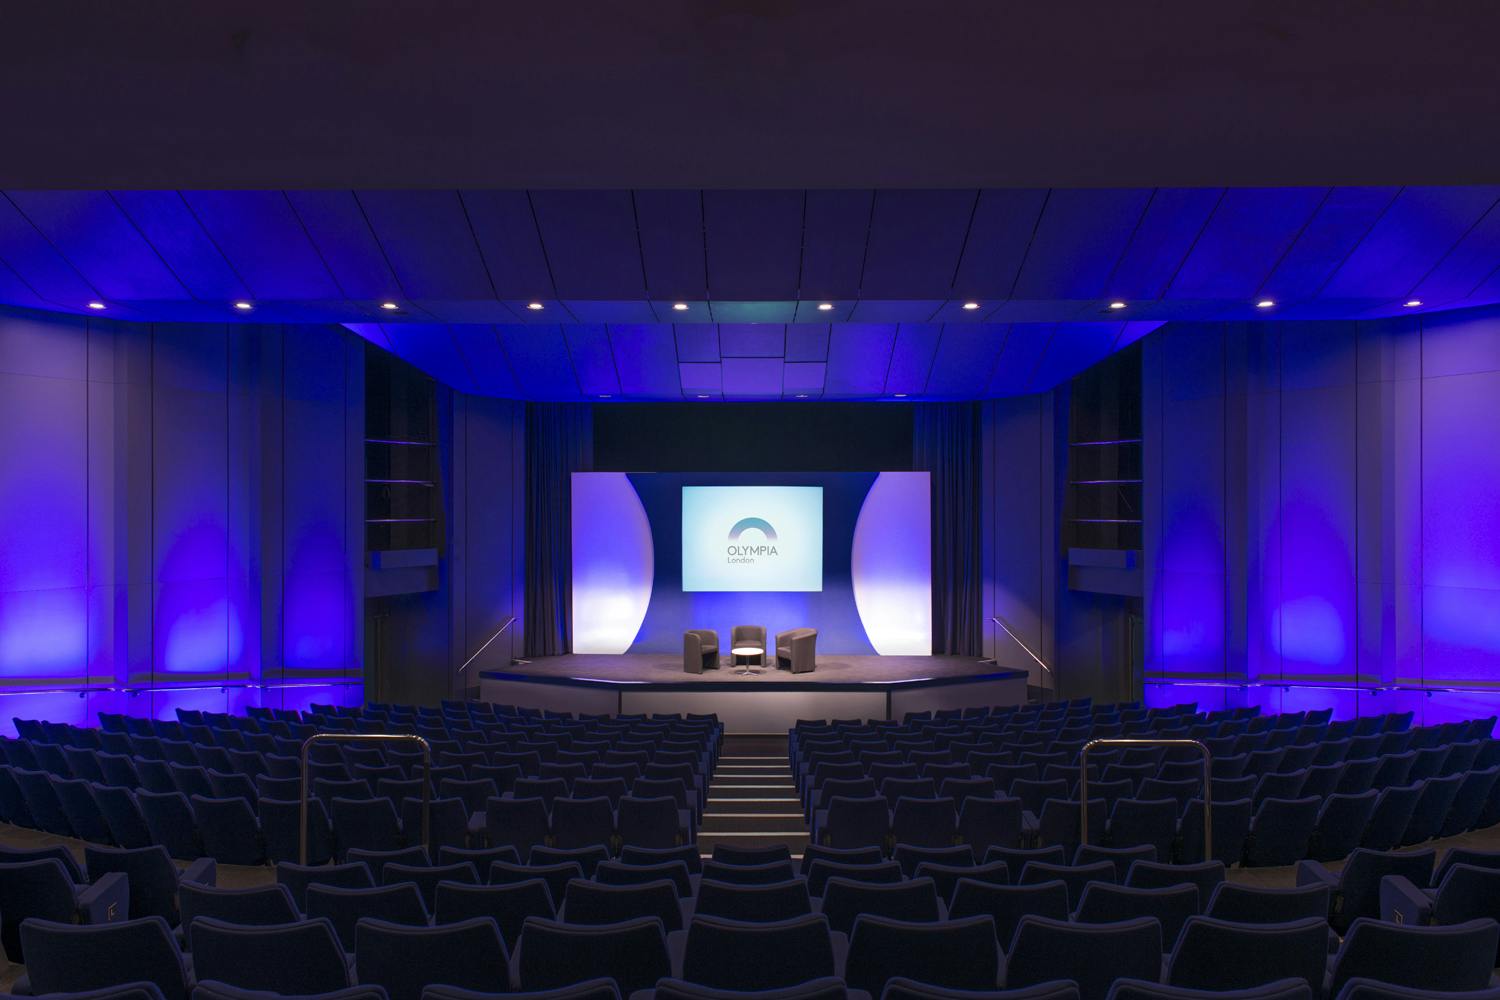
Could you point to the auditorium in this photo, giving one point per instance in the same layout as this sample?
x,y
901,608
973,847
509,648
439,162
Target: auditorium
x,y
745,500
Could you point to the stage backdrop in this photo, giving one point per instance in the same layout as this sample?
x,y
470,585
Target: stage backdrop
x,y
852,558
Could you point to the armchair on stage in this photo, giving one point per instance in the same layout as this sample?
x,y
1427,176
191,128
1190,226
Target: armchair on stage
x,y
700,650
796,650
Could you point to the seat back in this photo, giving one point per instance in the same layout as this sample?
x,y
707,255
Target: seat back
x,y
954,954
302,957
152,875
73,958
508,905
553,954
469,954
1216,954
914,900
257,906
1092,955
750,955
1456,957
598,903
1007,904
1172,906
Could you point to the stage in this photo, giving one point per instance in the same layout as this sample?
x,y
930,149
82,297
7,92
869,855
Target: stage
x,y
766,701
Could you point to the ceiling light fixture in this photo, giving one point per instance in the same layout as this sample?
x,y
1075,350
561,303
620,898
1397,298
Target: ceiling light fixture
x,y
1117,305
801,395
534,306
1413,303
603,395
390,306
680,306
824,307
971,306
1265,303
243,306
96,305
702,395
899,395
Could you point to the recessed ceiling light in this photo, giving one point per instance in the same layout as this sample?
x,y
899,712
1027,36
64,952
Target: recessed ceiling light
x,y
390,306
1117,305
243,306
702,395
1265,303
801,395
971,306
1413,303
679,307
899,395
824,307
96,305
534,306
603,395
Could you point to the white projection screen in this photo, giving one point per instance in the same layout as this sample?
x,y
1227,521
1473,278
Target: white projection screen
x,y
752,539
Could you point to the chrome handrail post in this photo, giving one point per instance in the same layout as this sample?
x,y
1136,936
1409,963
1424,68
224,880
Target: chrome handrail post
x,y
366,738
1083,782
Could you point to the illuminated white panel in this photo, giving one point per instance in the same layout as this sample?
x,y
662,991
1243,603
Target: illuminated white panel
x,y
891,564
613,562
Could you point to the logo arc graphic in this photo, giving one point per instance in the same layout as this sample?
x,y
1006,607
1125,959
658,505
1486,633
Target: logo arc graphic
x,y
746,523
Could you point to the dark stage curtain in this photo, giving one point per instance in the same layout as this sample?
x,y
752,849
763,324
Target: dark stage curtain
x,y
945,443
559,442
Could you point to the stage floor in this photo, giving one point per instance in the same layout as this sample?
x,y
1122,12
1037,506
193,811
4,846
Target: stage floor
x,y
666,668
765,701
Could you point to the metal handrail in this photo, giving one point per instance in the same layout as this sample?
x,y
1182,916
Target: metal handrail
x,y
503,626
1046,670
1208,779
367,738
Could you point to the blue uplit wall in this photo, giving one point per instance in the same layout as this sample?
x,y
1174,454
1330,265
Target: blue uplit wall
x,y
1323,510
181,516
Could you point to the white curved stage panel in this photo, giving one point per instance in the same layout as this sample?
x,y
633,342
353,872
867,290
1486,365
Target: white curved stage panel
x,y
891,565
613,562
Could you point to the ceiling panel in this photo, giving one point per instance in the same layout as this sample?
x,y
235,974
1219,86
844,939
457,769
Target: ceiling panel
x,y
430,346
833,243
486,360
510,244
1420,226
700,379
165,220
754,243
859,355
646,358
964,359
593,359
916,240
807,342
91,232
1167,230
671,234
1078,241
1244,240
1025,344
1343,219
751,378
697,342
997,243
1072,348
1466,266
37,263
911,358
260,235
343,239
803,379
539,357
591,243
426,237
747,340
744,311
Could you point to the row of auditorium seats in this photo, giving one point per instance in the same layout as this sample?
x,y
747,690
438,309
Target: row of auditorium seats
x,y
320,929
500,779
1009,779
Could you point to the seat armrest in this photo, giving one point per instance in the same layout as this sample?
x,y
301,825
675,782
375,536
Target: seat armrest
x,y
22,987
1402,902
676,949
106,900
1314,873
204,871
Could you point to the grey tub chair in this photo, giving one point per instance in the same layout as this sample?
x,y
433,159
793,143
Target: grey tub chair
x,y
700,650
796,650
